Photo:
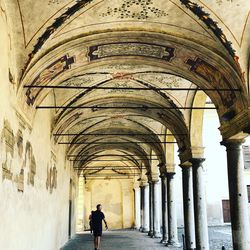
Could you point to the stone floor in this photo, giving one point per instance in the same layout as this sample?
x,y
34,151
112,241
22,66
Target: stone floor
x,y
129,239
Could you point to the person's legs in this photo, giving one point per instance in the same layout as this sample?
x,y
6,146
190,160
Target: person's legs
x,y
95,242
91,227
98,242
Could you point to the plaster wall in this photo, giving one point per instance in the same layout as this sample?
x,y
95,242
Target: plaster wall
x,y
117,199
34,207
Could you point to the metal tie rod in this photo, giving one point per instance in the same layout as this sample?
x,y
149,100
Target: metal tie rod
x,y
116,134
127,88
108,160
80,159
112,155
121,107
123,142
115,166
109,168
107,178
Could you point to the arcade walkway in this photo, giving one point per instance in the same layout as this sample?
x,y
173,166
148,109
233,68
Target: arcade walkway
x,y
126,240
114,240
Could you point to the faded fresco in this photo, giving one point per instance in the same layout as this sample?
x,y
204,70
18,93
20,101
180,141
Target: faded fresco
x,y
51,182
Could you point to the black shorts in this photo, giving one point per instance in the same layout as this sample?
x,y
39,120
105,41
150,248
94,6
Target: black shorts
x,y
97,233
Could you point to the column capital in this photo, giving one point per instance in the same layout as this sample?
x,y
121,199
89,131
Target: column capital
x,y
170,175
163,175
136,185
154,181
232,143
197,161
144,183
154,177
185,165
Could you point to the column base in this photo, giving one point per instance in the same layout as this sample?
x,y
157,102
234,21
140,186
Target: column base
x,y
157,235
164,241
140,229
150,233
145,230
173,244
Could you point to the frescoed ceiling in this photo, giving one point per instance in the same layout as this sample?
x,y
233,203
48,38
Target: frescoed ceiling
x,y
234,20
48,10
122,73
32,18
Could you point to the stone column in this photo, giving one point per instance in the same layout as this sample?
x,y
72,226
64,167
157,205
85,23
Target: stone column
x,y
164,208
238,196
200,209
141,206
146,209
153,208
188,206
156,209
151,221
172,218
137,208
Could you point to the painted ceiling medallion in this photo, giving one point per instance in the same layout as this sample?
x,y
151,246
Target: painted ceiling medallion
x,y
136,9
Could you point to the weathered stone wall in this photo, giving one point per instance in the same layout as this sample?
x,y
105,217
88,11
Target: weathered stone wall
x,y
34,178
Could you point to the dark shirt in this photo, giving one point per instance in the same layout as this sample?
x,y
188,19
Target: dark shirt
x,y
97,217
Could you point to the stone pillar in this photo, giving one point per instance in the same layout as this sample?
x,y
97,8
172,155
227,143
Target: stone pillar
x,y
188,206
153,207
156,209
151,221
164,208
141,206
200,210
238,196
146,209
137,208
172,218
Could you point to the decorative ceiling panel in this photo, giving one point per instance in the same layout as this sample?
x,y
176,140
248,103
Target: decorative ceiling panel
x,y
161,14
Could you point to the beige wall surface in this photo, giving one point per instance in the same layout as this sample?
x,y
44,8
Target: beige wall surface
x,y
34,181
117,199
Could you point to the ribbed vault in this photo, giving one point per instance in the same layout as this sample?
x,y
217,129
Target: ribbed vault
x,y
119,74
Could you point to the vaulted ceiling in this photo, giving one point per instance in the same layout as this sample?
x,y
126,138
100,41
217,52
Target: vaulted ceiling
x,y
122,73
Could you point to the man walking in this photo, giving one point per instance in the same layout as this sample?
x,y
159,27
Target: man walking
x,y
96,220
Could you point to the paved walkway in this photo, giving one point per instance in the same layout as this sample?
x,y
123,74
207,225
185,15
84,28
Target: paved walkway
x,y
115,240
129,239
